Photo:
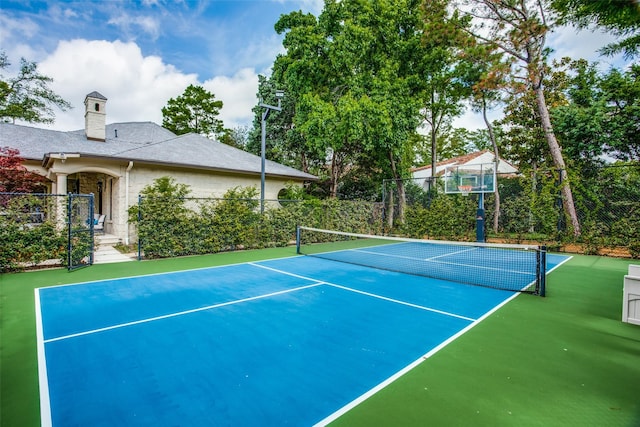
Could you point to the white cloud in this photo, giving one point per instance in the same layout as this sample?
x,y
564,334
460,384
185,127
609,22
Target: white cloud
x,y
14,34
238,95
13,29
313,6
147,24
137,87
568,41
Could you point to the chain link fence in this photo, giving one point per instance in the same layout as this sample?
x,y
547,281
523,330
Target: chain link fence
x,y
531,209
178,226
49,229
45,230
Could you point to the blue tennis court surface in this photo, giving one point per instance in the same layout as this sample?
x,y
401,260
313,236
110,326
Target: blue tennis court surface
x,y
279,342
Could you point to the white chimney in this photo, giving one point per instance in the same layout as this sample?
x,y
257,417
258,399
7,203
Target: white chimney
x,y
95,116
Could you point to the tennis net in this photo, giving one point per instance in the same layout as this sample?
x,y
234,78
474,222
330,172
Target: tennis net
x,y
519,268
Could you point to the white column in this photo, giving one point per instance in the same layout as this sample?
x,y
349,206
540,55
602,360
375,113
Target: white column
x,y
61,188
61,183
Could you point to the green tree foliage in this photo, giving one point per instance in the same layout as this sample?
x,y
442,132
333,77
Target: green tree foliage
x,y
442,72
27,95
357,74
284,142
236,137
196,111
27,239
602,115
618,17
519,28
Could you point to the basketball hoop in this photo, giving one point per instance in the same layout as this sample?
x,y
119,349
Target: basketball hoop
x,y
465,189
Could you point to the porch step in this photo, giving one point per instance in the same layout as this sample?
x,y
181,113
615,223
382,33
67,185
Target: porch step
x,y
108,254
105,252
106,239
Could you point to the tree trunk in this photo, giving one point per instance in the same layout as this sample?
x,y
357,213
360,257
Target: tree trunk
x,y
390,209
492,137
333,186
433,142
402,199
558,160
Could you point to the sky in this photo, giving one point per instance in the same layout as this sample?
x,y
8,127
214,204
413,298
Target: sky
x,y
139,54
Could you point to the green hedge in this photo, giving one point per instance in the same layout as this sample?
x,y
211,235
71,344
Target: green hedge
x,y
169,223
172,224
24,242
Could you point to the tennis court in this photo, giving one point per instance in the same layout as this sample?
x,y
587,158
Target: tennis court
x,y
293,341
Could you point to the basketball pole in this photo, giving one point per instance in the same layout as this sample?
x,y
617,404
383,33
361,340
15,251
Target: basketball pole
x,y
480,217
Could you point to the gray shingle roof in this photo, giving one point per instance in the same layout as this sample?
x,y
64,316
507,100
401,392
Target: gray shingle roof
x,y
144,142
97,95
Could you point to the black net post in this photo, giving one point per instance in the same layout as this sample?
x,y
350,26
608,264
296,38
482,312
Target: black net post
x,y
139,222
542,271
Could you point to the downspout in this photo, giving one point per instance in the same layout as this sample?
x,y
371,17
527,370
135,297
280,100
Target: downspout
x,y
126,199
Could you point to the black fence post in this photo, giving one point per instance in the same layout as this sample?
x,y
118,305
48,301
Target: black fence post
x,y
139,221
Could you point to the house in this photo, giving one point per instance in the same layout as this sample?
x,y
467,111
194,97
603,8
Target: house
x,y
116,161
422,175
476,158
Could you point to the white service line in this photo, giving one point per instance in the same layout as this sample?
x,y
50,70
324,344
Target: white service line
x,y
181,313
366,293
421,307
450,253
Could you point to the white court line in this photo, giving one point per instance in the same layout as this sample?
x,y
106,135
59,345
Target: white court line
x,y
340,412
161,273
421,307
357,401
181,313
45,403
450,253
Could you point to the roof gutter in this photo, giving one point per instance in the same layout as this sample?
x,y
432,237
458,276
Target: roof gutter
x,y
49,157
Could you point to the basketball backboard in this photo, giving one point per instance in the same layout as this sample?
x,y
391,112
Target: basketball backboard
x,y
465,179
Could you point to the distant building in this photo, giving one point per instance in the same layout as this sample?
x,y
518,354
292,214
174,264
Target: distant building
x,y
116,161
422,174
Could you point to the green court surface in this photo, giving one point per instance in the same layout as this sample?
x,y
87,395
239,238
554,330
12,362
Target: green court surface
x,y
563,360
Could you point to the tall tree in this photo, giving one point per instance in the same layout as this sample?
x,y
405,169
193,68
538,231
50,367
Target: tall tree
x,y
602,115
485,73
519,28
284,143
196,110
441,70
310,72
236,137
27,95
618,17
353,70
